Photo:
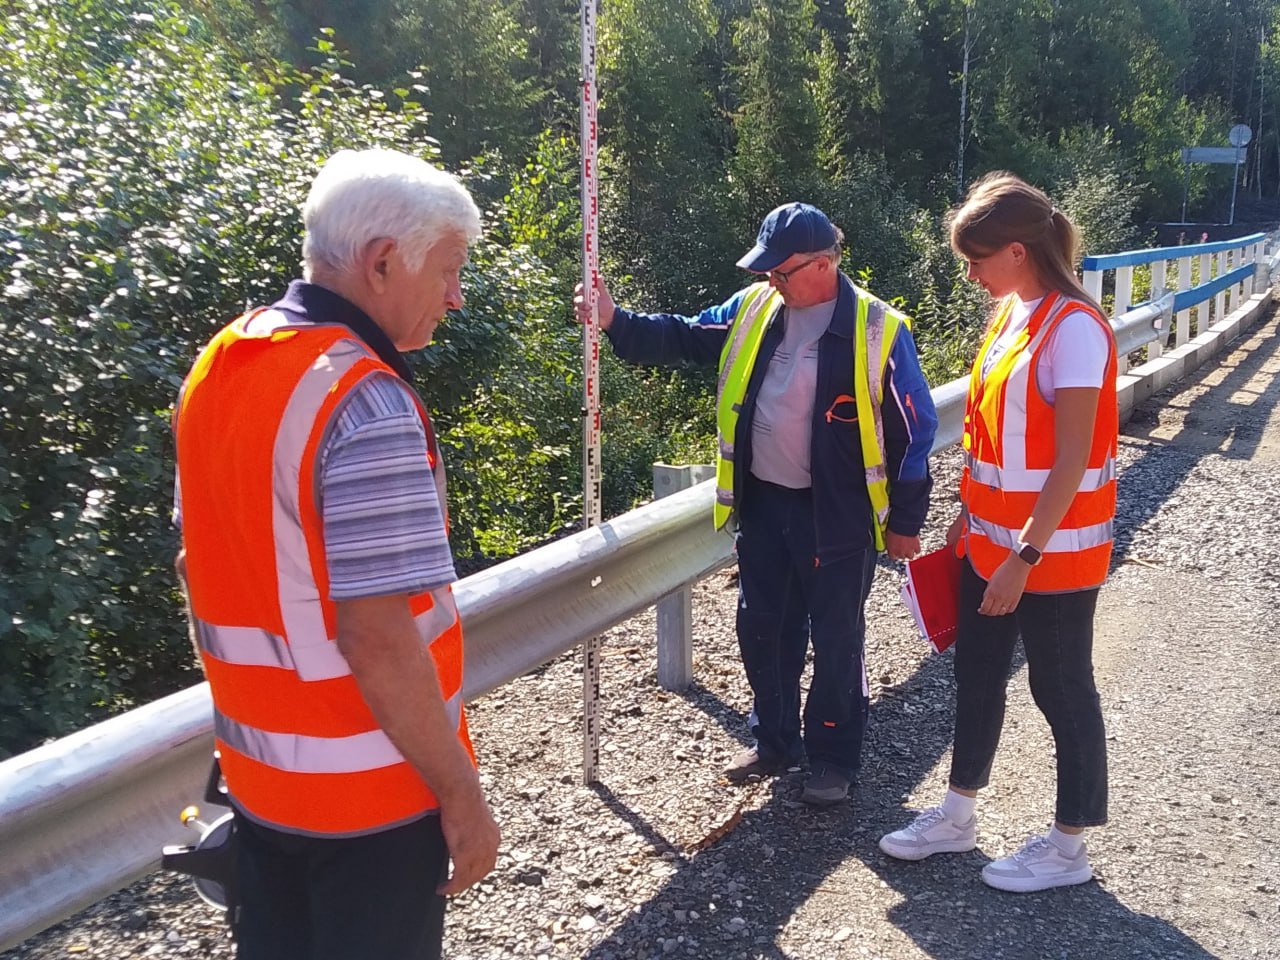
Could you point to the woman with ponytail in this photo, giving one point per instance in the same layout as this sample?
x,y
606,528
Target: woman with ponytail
x,y
1038,498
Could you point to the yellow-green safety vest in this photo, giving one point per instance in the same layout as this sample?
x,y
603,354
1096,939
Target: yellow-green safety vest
x,y
875,333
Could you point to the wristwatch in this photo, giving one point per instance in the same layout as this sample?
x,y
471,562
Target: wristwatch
x,y
1027,553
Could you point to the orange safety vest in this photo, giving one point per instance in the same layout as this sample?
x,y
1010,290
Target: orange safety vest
x,y
1009,440
300,749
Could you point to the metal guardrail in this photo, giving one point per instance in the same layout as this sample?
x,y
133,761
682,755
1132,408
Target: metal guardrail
x,y
1144,324
85,816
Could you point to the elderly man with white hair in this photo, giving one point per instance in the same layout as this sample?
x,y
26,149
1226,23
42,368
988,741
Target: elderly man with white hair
x,y
310,496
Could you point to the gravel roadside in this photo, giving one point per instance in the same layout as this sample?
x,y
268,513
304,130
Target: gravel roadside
x,y
663,858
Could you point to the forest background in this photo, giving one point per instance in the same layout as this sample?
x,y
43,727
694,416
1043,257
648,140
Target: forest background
x,y
154,155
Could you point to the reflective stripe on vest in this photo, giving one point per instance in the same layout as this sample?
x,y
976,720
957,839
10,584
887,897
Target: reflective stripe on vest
x,y
301,751
1010,443
875,334
302,754
1033,480
255,647
760,304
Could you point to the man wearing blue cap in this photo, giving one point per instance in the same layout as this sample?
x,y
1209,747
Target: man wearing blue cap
x,y
825,425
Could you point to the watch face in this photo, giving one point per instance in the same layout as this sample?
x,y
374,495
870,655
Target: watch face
x,y
1029,553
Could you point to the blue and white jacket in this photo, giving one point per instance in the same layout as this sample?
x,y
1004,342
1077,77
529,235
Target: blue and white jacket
x,y
842,509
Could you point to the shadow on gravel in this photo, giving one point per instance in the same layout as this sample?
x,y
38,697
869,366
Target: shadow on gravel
x,y
638,823
1145,487
737,898
730,719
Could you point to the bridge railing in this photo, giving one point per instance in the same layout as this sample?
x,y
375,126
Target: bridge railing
x,y
1222,273
86,815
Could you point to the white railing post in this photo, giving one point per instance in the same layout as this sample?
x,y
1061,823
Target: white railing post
x,y
1202,308
1230,260
1220,300
1182,328
1124,290
1156,347
1124,299
675,611
1093,284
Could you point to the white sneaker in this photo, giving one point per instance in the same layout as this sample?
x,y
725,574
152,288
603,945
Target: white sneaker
x,y
1039,865
931,832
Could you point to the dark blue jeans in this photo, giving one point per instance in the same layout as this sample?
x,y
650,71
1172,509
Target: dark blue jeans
x,y
308,898
1057,637
787,600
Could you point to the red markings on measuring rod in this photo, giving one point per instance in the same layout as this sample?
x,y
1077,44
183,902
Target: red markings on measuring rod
x,y
591,474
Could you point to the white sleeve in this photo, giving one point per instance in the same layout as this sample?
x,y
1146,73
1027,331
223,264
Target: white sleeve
x,y
1077,353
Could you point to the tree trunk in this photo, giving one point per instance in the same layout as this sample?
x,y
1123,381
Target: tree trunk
x,y
964,102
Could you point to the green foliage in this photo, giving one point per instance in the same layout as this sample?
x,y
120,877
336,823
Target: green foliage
x,y
151,192
776,123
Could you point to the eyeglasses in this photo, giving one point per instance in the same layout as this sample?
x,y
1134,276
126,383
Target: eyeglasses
x,y
785,275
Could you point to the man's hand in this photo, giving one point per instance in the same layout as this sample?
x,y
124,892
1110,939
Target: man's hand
x,y
472,836
900,547
397,677
605,303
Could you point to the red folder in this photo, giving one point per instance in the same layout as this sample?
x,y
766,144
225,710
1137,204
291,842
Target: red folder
x,y
932,594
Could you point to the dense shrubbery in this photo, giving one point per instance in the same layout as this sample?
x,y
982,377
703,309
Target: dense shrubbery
x,y
150,185
150,192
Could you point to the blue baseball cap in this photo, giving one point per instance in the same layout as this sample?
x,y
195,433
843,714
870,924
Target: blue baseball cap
x,y
789,229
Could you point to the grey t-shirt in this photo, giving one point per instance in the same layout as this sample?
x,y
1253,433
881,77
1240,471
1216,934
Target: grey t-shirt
x,y
783,424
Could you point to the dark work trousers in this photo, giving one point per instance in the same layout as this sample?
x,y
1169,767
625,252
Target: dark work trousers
x,y
1057,636
786,599
310,898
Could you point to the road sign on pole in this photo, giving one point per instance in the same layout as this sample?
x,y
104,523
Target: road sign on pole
x,y
1239,137
1209,155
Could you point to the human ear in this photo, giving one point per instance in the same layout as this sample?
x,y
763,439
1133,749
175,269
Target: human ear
x,y
1018,252
376,262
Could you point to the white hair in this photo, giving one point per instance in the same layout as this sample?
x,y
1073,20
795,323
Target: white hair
x,y
361,195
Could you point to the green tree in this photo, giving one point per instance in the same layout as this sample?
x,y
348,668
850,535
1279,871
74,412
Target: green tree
x,y
776,120
833,95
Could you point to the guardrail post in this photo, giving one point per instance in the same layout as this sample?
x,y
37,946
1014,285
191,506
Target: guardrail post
x,y
1262,266
675,611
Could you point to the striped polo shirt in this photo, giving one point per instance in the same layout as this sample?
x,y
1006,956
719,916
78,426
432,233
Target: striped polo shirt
x,y
384,530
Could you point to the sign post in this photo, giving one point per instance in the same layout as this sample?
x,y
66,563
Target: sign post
x,y
590,375
1239,137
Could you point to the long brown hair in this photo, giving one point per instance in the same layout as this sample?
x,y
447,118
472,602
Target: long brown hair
x,y
1001,209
